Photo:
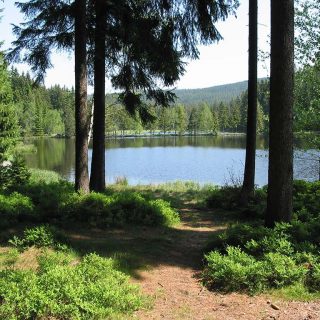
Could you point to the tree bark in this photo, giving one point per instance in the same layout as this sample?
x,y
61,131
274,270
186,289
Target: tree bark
x,y
81,112
279,202
97,179
250,163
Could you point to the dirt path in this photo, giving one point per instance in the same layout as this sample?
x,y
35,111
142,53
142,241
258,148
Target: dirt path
x,y
178,294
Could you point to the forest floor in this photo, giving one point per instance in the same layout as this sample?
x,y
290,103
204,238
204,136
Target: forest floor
x,y
167,263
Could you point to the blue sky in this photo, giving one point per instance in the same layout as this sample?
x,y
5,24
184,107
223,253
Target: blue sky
x,y
224,62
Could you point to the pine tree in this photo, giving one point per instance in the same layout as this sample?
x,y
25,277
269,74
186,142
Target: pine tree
x,y
9,129
280,182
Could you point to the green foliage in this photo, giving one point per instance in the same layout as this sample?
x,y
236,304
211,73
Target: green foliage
x,y
262,258
306,199
14,173
52,199
9,129
42,111
13,206
285,257
41,236
226,197
119,209
236,271
90,289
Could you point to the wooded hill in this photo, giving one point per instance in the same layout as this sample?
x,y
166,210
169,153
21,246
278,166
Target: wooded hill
x,y
216,94
221,93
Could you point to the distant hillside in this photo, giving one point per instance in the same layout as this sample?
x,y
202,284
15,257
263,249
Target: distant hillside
x,y
224,93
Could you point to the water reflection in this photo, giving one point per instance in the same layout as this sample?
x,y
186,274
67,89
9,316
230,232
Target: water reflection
x,y
158,159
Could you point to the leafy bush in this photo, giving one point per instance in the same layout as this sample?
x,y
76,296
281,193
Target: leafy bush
x,y
91,289
235,271
49,199
306,199
239,271
253,258
13,207
15,204
226,197
119,209
13,174
41,236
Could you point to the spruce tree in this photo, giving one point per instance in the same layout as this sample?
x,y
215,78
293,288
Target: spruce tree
x,y
9,129
280,175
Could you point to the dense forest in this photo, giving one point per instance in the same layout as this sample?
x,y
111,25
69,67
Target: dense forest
x,y
50,111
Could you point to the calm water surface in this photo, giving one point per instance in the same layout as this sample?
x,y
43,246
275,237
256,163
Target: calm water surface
x,y
217,160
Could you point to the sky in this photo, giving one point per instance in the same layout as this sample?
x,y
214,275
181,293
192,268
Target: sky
x,y
220,63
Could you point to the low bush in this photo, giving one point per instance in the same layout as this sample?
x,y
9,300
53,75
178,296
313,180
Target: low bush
x,y
226,197
120,209
14,206
306,200
89,289
40,236
13,173
253,258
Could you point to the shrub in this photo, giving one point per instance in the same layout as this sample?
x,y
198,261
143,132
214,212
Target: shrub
x,y
239,271
235,271
13,174
120,209
306,199
13,207
313,278
41,236
226,197
15,204
91,289
282,270
49,198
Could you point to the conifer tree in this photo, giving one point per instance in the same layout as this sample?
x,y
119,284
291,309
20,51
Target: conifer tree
x,y
9,129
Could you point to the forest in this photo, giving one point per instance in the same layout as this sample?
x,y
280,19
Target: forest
x,y
84,249
44,111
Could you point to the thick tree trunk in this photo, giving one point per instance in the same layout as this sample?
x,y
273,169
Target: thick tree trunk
x,y
97,179
81,112
279,203
250,163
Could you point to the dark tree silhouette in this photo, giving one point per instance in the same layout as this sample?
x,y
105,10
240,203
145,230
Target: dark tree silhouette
x,y
81,112
279,202
97,178
249,170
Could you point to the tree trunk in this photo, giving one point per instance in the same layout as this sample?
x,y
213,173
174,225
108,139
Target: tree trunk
x,y
279,203
97,179
81,112
249,170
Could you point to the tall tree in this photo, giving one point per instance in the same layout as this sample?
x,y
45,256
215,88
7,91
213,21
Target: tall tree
x,y
249,169
279,202
81,111
9,129
97,178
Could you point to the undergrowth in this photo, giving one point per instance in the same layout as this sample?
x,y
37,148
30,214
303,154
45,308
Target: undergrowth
x,y
47,198
251,258
63,285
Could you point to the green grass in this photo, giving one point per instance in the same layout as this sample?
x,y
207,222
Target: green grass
x,y
25,148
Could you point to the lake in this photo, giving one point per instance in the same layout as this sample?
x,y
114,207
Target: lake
x,y
204,159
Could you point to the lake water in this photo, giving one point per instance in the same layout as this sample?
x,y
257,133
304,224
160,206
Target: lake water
x,y
203,159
